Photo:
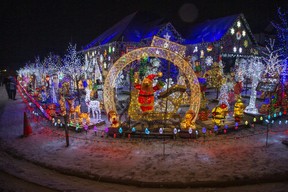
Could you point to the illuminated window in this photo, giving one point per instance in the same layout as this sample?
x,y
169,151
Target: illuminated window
x,y
238,35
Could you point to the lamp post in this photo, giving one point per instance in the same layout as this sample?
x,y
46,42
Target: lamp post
x,y
63,111
267,131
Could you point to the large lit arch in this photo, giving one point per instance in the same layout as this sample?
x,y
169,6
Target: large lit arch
x,y
176,59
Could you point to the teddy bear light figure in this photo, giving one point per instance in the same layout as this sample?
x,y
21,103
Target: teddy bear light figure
x,y
146,92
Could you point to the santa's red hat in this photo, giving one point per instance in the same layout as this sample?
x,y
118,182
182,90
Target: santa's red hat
x,y
152,76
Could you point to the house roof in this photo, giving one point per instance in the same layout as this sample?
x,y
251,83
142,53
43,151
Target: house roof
x,y
133,27
140,25
213,30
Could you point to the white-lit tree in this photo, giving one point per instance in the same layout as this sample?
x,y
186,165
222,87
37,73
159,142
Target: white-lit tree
x,y
223,96
240,65
39,71
73,67
253,71
274,65
281,27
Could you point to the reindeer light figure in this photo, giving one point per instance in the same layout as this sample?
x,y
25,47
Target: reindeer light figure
x,y
93,106
71,103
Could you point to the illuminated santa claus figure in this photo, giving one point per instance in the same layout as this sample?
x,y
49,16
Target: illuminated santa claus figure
x,y
146,92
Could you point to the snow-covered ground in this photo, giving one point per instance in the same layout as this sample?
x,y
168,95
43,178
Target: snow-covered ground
x,y
235,158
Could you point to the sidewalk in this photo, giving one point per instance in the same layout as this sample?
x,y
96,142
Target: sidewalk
x,y
237,158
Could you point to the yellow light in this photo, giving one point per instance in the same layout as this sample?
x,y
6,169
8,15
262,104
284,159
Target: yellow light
x,y
246,122
254,119
176,59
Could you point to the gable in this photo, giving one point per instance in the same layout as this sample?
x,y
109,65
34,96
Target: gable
x,y
238,38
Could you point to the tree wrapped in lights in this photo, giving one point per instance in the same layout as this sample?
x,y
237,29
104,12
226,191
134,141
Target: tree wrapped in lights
x,y
282,38
223,96
274,65
39,71
73,67
254,71
214,77
241,66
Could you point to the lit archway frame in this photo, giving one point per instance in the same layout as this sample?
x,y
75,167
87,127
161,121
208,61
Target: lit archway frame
x,y
176,59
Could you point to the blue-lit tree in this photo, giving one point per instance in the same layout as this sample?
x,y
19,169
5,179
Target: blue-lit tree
x,y
282,39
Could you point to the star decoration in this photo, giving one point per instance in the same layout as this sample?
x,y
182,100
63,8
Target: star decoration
x,y
167,36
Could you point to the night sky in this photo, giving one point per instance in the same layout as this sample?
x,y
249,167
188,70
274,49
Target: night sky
x,y
35,28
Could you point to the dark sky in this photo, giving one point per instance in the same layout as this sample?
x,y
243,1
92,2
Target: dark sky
x,y
35,28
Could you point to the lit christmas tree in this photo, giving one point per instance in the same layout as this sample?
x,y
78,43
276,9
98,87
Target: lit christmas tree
x,y
223,96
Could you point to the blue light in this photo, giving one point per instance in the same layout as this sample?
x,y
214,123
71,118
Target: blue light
x,y
120,130
269,117
147,132
275,115
215,128
204,130
133,129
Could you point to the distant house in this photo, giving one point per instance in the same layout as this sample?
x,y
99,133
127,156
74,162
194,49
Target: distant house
x,y
229,37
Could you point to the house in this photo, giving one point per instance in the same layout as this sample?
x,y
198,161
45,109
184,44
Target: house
x,y
229,37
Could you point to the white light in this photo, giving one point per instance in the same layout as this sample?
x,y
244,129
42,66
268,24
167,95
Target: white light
x,y
175,131
234,49
113,49
232,31
240,49
238,24
243,33
190,131
195,49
